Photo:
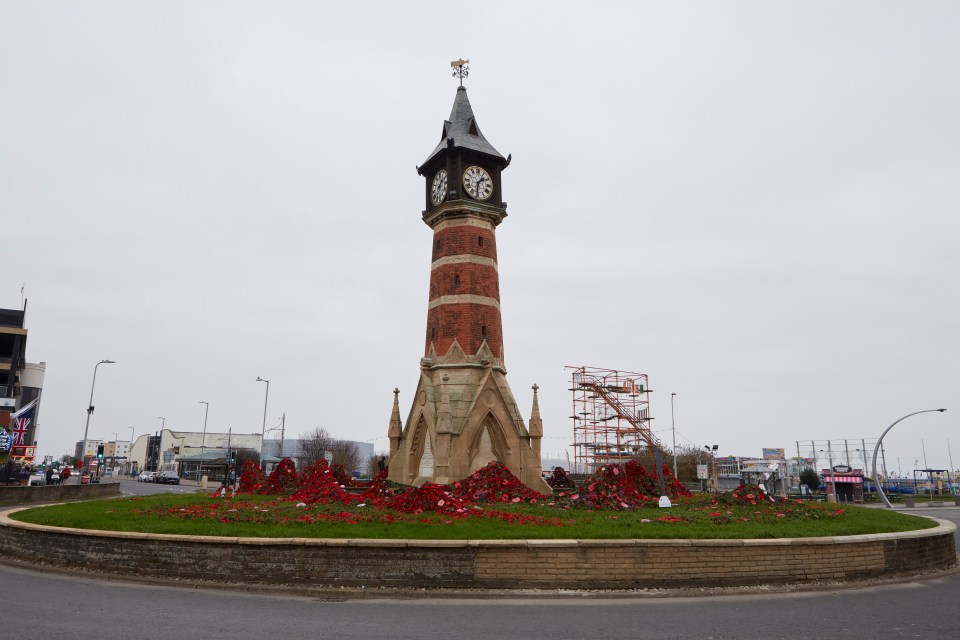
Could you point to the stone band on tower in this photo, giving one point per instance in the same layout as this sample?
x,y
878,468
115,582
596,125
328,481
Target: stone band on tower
x,y
464,414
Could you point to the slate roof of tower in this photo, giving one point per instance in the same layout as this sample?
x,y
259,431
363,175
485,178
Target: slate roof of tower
x,y
463,130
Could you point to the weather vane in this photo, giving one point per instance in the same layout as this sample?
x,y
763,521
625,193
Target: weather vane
x,y
460,69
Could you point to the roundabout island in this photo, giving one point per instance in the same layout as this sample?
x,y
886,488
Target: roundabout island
x,y
308,532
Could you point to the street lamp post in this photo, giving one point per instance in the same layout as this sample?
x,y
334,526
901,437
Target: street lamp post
x,y
877,449
699,474
951,475
130,452
263,428
203,443
163,425
831,482
673,428
86,429
716,478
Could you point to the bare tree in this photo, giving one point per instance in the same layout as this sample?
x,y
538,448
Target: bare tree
x,y
346,453
319,444
688,457
313,446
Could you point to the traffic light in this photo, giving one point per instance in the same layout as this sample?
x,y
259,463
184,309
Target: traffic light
x,y
233,456
99,452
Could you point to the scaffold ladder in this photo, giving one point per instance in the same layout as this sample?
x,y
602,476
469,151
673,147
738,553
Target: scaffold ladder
x,y
587,381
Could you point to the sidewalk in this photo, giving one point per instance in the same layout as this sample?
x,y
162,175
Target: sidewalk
x,y
924,506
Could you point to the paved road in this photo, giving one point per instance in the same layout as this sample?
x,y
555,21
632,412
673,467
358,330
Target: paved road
x,y
134,488
58,606
944,513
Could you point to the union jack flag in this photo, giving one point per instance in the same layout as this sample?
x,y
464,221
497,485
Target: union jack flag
x,y
20,423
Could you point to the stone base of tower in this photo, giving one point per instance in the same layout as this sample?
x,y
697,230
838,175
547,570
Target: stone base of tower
x,y
463,417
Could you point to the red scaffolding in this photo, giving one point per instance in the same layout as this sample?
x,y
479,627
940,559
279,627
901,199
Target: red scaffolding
x,y
611,417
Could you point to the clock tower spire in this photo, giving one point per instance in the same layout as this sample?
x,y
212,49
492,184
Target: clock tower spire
x,y
464,205
464,414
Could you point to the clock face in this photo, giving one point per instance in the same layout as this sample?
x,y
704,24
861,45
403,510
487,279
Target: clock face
x,y
478,182
439,189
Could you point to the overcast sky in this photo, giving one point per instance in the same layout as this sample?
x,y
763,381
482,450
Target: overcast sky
x,y
754,203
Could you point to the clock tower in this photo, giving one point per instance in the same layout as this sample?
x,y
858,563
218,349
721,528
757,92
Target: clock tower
x,y
464,414
464,206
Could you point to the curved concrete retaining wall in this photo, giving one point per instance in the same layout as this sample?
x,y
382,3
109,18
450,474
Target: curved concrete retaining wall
x,y
58,493
596,564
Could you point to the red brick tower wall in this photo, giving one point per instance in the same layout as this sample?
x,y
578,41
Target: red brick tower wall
x,y
464,288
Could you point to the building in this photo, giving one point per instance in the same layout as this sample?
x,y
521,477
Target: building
x,y
843,483
277,449
13,350
21,384
463,413
90,452
727,474
770,474
777,474
116,455
274,450
795,467
191,453
116,449
164,450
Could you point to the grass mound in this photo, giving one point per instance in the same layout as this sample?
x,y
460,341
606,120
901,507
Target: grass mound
x,y
615,502
697,517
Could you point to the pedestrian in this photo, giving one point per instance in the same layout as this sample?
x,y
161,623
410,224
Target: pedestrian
x,y
49,475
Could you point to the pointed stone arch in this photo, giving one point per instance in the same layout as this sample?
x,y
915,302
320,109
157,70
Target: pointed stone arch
x,y
419,443
487,443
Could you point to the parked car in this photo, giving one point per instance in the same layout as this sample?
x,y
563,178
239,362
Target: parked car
x,y
146,476
167,477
